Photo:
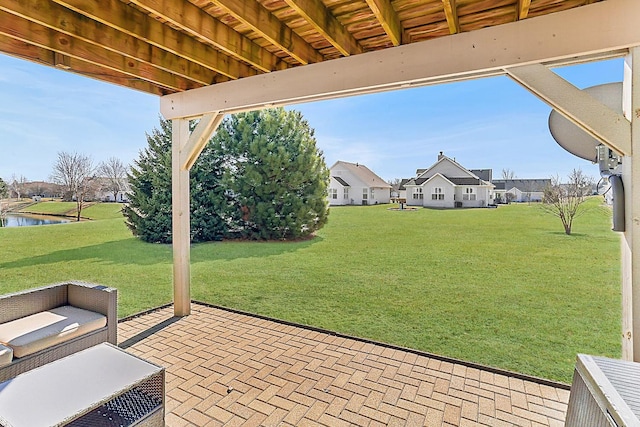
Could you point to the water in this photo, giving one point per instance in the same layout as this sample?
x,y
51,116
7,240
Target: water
x,y
22,220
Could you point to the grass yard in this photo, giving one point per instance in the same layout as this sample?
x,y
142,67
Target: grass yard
x,y
504,287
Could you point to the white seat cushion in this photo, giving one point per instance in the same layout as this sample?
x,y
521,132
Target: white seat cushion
x,y
6,355
45,329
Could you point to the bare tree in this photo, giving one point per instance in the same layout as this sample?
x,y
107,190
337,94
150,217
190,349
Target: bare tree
x,y
114,176
508,174
75,172
4,204
565,200
17,185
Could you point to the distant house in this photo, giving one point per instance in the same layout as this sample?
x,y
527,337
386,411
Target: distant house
x,y
447,184
520,190
105,193
356,184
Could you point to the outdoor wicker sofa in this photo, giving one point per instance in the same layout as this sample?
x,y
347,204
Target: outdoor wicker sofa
x,y
92,303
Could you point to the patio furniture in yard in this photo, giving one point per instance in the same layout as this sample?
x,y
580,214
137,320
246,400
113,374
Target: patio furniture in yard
x,y
100,386
38,326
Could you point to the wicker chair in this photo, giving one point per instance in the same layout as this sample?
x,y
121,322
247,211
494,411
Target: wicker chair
x,y
88,296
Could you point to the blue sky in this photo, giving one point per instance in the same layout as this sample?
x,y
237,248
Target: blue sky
x,y
487,123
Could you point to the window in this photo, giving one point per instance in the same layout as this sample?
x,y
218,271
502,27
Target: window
x,y
365,193
333,193
417,193
437,194
469,194
372,195
345,193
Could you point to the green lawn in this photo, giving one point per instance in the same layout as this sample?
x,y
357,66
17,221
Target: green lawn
x,y
504,287
53,208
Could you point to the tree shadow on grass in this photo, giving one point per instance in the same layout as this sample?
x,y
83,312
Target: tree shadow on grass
x,y
562,233
133,251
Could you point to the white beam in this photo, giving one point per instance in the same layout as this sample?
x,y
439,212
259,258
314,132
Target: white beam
x,y
598,30
181,237
595,118
631,239
198,139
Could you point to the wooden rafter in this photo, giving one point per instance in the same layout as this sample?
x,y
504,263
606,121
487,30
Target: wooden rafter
x,y
197,22
121,17
552,39
451,13
263,22
523,9
44,56
316,14
388,18
33,33
66,21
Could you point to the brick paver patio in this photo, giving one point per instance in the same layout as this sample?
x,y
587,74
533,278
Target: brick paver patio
x,y
226,368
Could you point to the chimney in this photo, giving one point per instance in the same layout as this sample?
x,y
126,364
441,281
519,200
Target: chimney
x,y
441,155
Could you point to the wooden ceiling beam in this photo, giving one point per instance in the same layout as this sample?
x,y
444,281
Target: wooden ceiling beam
x,y
321,18
199,23
115,14
30,32
263,22
388,18
602,30
42,56
451,13
66,21
523,9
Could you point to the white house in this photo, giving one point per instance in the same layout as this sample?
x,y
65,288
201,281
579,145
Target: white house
x,y
356,184
447,184
520,190
104,191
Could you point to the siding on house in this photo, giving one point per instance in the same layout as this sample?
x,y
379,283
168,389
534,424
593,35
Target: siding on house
x,y
522,190
447,184
355,184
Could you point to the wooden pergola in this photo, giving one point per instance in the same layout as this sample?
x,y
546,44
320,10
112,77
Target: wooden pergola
x,y
208,58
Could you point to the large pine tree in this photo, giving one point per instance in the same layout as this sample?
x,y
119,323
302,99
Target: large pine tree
x,y
148,213
276,173
260,177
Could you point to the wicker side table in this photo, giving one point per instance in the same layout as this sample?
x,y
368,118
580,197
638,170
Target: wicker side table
x,y
99,386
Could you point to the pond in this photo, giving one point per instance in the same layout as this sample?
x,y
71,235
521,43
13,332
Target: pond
x,y
23,220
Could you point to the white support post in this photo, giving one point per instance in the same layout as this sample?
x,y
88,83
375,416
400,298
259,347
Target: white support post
x,y
185,150
631,239
180,220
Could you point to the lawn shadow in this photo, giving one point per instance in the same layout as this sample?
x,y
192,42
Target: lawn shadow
x,y
133,251
240,249
562,233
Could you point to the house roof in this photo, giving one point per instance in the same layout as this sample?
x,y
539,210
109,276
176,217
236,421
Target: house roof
x,y
341,181
467,181
524,185
483,174
363,173
474,177
441,159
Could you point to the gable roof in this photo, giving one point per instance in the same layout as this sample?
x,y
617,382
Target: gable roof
x,y
483,174
363,173
444,159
